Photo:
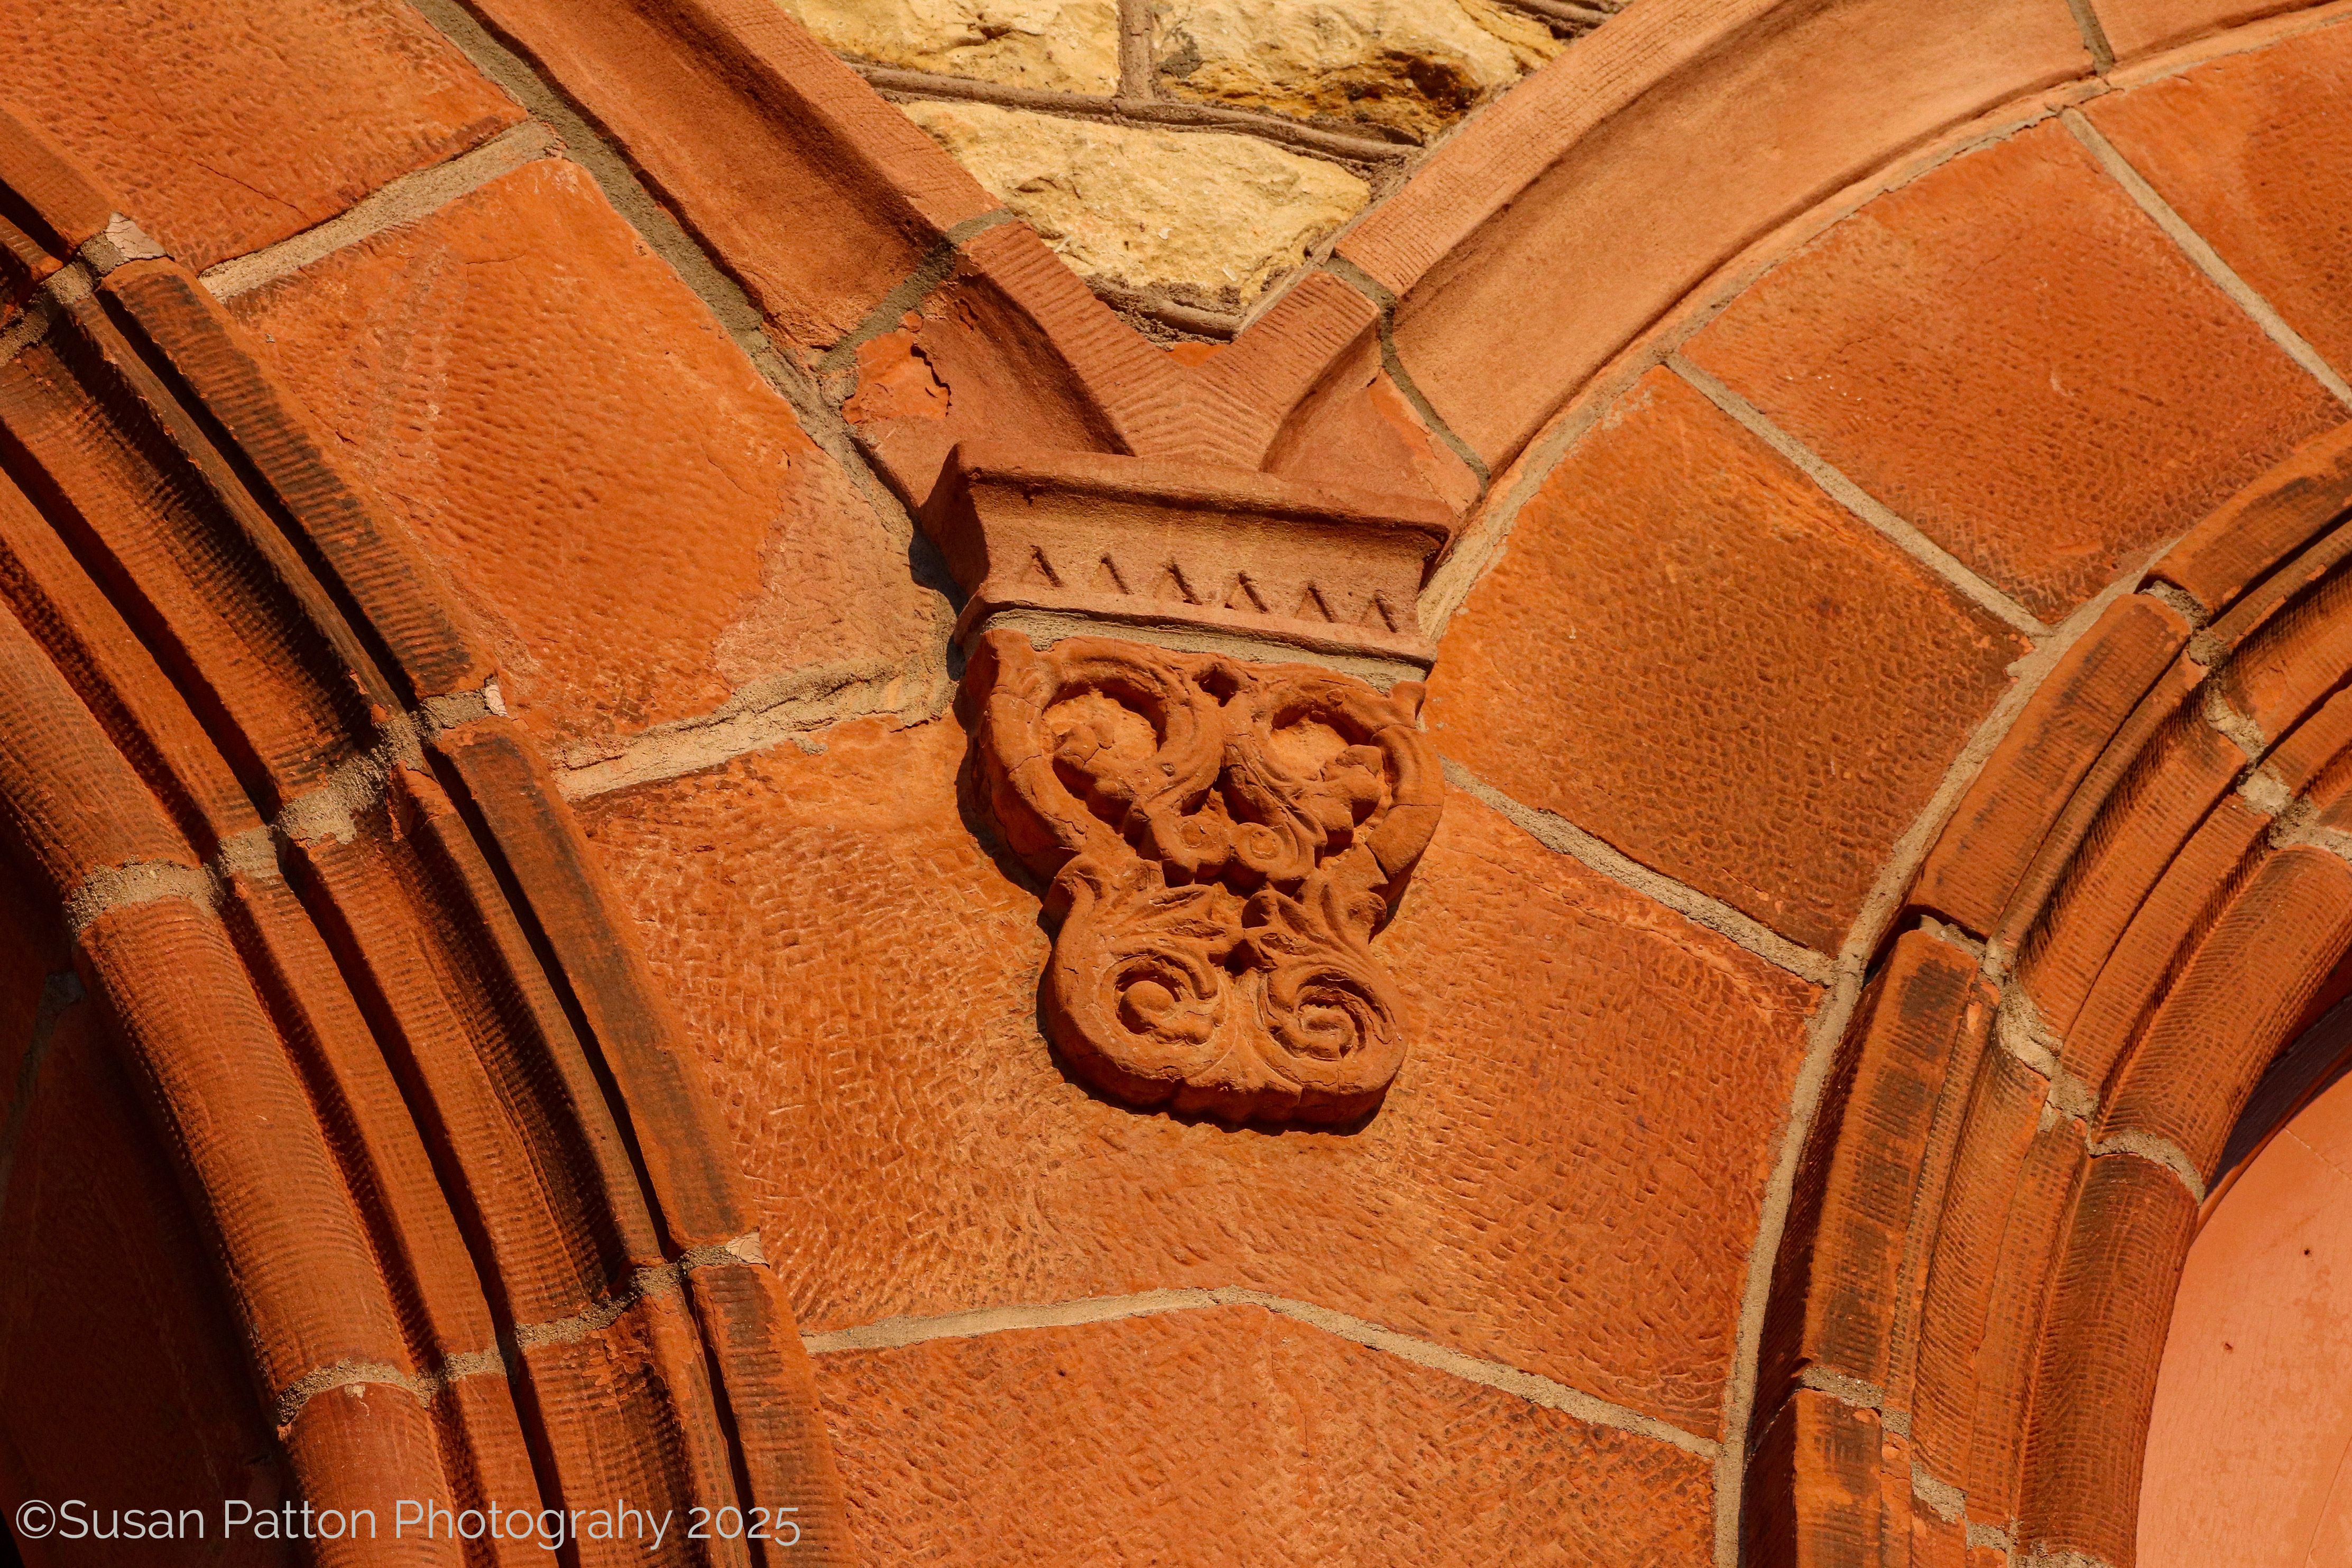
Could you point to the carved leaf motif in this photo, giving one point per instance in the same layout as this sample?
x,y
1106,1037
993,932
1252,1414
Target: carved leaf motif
x,y
1222,840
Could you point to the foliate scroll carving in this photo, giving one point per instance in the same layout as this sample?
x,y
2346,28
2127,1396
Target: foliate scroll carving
x,y
1222,839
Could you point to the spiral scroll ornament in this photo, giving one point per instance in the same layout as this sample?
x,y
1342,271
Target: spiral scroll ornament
x,y
1221,841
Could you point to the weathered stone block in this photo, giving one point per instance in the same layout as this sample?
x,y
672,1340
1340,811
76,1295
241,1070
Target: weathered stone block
x,y
1042,1448
1414,66
1069,47
608,612
1222,215
1911,345
1714,766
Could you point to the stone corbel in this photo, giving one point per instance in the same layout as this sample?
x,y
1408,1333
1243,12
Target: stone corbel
x,y
1176,674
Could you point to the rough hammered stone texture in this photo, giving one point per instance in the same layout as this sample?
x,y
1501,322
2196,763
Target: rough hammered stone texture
x,y
1819,684
638,521
2251,149
1220,216
1414,66
224,129
1565,1178
1224,1435
2013,356
1071,47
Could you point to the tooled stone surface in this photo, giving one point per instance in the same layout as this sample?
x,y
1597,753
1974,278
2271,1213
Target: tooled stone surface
x,y
228,128
1414,66
1051,1448
1223,841
473,363
1565,1176
2004,281
1127,540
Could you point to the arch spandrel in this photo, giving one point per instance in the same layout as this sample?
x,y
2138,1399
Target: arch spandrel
x,y
2048,1031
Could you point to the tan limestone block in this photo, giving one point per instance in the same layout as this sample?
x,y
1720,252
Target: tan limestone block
x,y
1069,47
1222,214
1415,66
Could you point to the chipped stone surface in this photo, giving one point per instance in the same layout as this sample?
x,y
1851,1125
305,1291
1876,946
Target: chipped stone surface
x,y
1216,215
1070,46
1414,66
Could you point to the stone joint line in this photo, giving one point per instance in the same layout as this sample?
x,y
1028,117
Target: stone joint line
x,y
1948,1502
892,1333
1855,1394
327,810
644,1285
1562,836
2040,1557
1565,11
2095,35
788,706
1141,109
120,242
2184,605
2294,818
836,368
1903,534
412,197
2019,1031
1385,300
2201,252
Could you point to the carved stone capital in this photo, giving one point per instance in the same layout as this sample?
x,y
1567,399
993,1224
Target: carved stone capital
x,y
1222,839
1057,542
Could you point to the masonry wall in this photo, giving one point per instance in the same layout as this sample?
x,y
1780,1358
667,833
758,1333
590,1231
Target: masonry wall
x,y
1729,631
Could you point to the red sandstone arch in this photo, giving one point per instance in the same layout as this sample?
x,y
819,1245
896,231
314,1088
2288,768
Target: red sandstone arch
x,y
1952,1263
457,1181
1553,233
2134,912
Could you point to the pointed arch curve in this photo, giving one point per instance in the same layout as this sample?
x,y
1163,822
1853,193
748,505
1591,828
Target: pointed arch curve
x,y
2132,911
431,1114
